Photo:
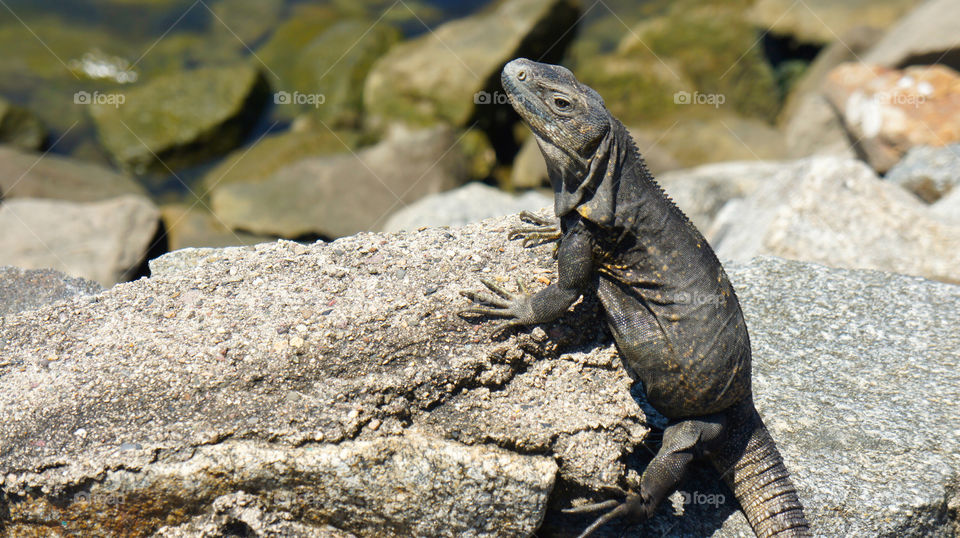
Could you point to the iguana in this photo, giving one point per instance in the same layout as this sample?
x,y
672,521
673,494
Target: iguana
x,y
672,311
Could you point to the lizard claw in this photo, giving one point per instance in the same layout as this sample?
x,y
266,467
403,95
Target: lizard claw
x,y
500,303
634,506
532,218
542,230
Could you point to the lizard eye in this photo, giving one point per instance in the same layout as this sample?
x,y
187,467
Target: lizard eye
x,y
561,103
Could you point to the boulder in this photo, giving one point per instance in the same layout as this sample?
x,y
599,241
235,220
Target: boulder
x,y
702,191
947,208
450,71
260,160
927,35
823,21
333,67
243,21
471,203
929,172
32,175
888,111
848,48
29,289
331,388
838,212
723,137
343,194
181,118
304,24
815,128
104,241
19,127
195,226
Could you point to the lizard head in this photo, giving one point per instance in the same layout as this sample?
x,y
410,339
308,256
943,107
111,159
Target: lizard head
x,y
574,131
567,117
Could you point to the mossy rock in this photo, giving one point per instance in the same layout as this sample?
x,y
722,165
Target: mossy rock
x,y
701,49
718,51
334,65
244,21
259,161
437,77
19,127
280,52
180,119
636,88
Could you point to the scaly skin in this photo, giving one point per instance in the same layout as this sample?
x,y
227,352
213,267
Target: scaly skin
x,y
673,313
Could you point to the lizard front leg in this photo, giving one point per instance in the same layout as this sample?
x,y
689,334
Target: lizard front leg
x,y
574,268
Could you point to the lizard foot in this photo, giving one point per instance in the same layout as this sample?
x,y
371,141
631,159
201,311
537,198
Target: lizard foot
x,y
633,507
501,303
539,230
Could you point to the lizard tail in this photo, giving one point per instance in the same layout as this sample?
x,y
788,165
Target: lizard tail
x,y
753,468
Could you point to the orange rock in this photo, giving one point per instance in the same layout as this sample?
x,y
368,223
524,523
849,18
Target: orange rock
x,y
888,111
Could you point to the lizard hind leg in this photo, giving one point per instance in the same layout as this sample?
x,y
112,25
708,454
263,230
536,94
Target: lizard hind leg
x,y
683,442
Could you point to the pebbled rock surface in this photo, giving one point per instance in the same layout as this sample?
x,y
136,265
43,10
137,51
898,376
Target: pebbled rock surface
x,y
29,289
104,241
838,212
281,385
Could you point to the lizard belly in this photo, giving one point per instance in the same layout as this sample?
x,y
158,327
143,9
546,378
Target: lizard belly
x,y
680,379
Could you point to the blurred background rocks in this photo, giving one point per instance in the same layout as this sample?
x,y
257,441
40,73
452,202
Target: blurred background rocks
x,y
241,121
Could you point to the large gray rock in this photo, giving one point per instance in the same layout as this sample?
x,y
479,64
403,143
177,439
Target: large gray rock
x,y
471,203
927,35
947,208
439,75
180,118
838,212
342,375
102,241
927,171
281,386
866,363
346,193
32,175
702,191
29,289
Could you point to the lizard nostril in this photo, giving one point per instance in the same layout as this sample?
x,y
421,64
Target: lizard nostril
x,y
521,75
